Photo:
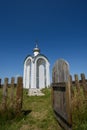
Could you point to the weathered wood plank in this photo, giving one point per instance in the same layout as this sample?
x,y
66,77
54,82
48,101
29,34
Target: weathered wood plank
x,y
62,93
12,99
19,94
5,89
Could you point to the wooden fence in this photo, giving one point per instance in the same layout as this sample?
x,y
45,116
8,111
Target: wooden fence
x,y
78,84
14,98
63,91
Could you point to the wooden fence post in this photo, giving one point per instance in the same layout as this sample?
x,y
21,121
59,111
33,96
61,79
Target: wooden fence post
x,y
4,100
77,83
0,83
71,87
12,92
19,94
84,85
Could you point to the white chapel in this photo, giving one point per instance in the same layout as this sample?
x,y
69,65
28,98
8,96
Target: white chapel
x,y
36,71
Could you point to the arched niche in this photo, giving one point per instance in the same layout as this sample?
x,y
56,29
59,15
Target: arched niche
x,y
40,73
28,73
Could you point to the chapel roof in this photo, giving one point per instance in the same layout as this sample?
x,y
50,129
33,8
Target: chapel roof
x,y
37,54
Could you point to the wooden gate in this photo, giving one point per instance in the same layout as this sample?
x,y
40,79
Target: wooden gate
x,y
61,95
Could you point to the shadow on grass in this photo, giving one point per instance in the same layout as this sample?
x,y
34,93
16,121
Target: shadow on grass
x,y
26,112
10,115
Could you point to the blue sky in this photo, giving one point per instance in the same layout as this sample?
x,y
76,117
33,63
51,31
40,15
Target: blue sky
x,y
60,26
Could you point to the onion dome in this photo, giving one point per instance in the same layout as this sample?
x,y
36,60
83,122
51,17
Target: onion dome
x,y
36,50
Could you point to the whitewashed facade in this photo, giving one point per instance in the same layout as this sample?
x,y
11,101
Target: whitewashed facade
x,y
36,71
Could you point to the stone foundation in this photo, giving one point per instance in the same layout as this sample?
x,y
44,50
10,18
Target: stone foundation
x,y
35,92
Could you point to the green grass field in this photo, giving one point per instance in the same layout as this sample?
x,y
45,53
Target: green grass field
x,y
37,114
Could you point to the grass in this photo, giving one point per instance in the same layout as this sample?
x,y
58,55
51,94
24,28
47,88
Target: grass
x,y
37,114
79,110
